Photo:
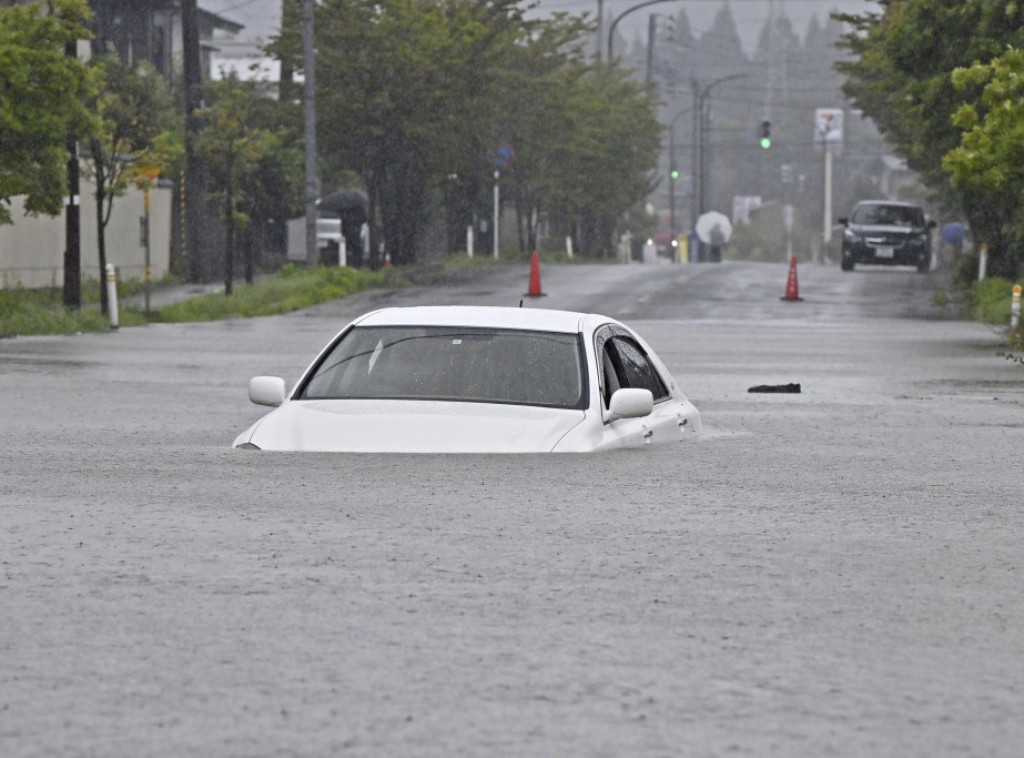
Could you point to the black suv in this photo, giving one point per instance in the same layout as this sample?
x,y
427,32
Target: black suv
x,y
881,231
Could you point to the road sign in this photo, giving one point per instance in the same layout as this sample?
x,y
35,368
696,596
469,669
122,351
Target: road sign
x,y
828,125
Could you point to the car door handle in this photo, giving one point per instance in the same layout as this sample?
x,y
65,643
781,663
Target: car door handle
x,y
648,433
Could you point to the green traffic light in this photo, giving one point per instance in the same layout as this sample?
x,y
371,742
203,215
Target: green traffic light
x,y
766,142
675,174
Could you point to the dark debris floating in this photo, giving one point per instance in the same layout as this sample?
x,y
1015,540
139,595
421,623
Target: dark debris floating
x,y
786,388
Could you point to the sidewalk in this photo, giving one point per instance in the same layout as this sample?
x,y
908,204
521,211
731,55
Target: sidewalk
x,y
163,295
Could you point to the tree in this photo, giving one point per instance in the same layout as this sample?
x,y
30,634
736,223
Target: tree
x,y
601,156
133,108
990,158
402,93
533,85
416,96
901,77
231,149
42,95
275,188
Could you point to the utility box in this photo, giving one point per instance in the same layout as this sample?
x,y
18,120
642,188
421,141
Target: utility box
x,y
328,233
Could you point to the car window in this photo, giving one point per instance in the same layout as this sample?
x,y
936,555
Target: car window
x,y
625,364
888,215
637,369
455,364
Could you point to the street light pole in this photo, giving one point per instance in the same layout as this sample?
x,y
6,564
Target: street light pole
x,y
702,108
672,169
617,19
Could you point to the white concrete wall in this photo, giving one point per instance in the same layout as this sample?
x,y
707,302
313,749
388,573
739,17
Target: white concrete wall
x,y
32,249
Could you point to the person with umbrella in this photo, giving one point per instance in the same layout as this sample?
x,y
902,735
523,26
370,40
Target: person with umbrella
x,y
953,236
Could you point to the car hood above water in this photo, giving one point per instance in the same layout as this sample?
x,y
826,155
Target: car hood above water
x,y
411,426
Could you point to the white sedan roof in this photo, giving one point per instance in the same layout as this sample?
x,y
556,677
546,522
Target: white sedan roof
x,y
533,319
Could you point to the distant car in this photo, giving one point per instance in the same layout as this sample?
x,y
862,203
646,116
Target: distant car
x,y
459,379
888,233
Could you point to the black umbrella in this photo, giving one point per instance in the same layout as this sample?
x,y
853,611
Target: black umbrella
x,y
343,201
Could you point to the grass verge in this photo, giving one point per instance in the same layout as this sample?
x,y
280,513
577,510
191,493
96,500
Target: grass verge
x,y
289,290
33,312
41,312
989,300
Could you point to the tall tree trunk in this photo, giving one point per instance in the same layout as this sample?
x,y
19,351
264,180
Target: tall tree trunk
x,y
373,193
229,247
101,239
248,235
72,219
195,175
73,246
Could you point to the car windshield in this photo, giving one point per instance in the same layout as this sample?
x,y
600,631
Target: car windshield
x,y
888,215
454,364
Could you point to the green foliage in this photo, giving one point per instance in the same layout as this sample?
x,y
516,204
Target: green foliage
x,y
402,93
416,95
991,152
1016,340
26,312
602,159
41,101
574,125
902,78
291,290
131,107
233,148
989,300
134,110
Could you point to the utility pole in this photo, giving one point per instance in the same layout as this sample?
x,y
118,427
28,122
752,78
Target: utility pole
x,y
702,108
309,112
72,218
195,178
652,35
695,148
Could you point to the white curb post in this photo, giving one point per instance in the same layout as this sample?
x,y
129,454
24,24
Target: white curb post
x,y
982,262
1015,307
497,213
112,296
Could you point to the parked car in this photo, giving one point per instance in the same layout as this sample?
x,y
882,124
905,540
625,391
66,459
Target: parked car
x,y
459,379
889,233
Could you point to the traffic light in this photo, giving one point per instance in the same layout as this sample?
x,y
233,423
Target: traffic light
x,y
674,173
766,134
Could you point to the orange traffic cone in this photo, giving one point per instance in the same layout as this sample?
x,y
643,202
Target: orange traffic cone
x,y
387,260
792,286
535,277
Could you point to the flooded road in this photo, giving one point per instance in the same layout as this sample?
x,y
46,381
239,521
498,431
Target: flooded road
x,y
835,572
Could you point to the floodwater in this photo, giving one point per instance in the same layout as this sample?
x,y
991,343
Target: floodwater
x,y
835,572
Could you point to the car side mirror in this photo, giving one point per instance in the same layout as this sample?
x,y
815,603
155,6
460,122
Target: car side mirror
x,y
843,221
267,390
631,403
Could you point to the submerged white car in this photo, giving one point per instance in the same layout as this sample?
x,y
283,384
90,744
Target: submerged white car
x,y
458,379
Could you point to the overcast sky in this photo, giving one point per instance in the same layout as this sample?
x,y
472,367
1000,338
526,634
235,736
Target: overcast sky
x,y
262,17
